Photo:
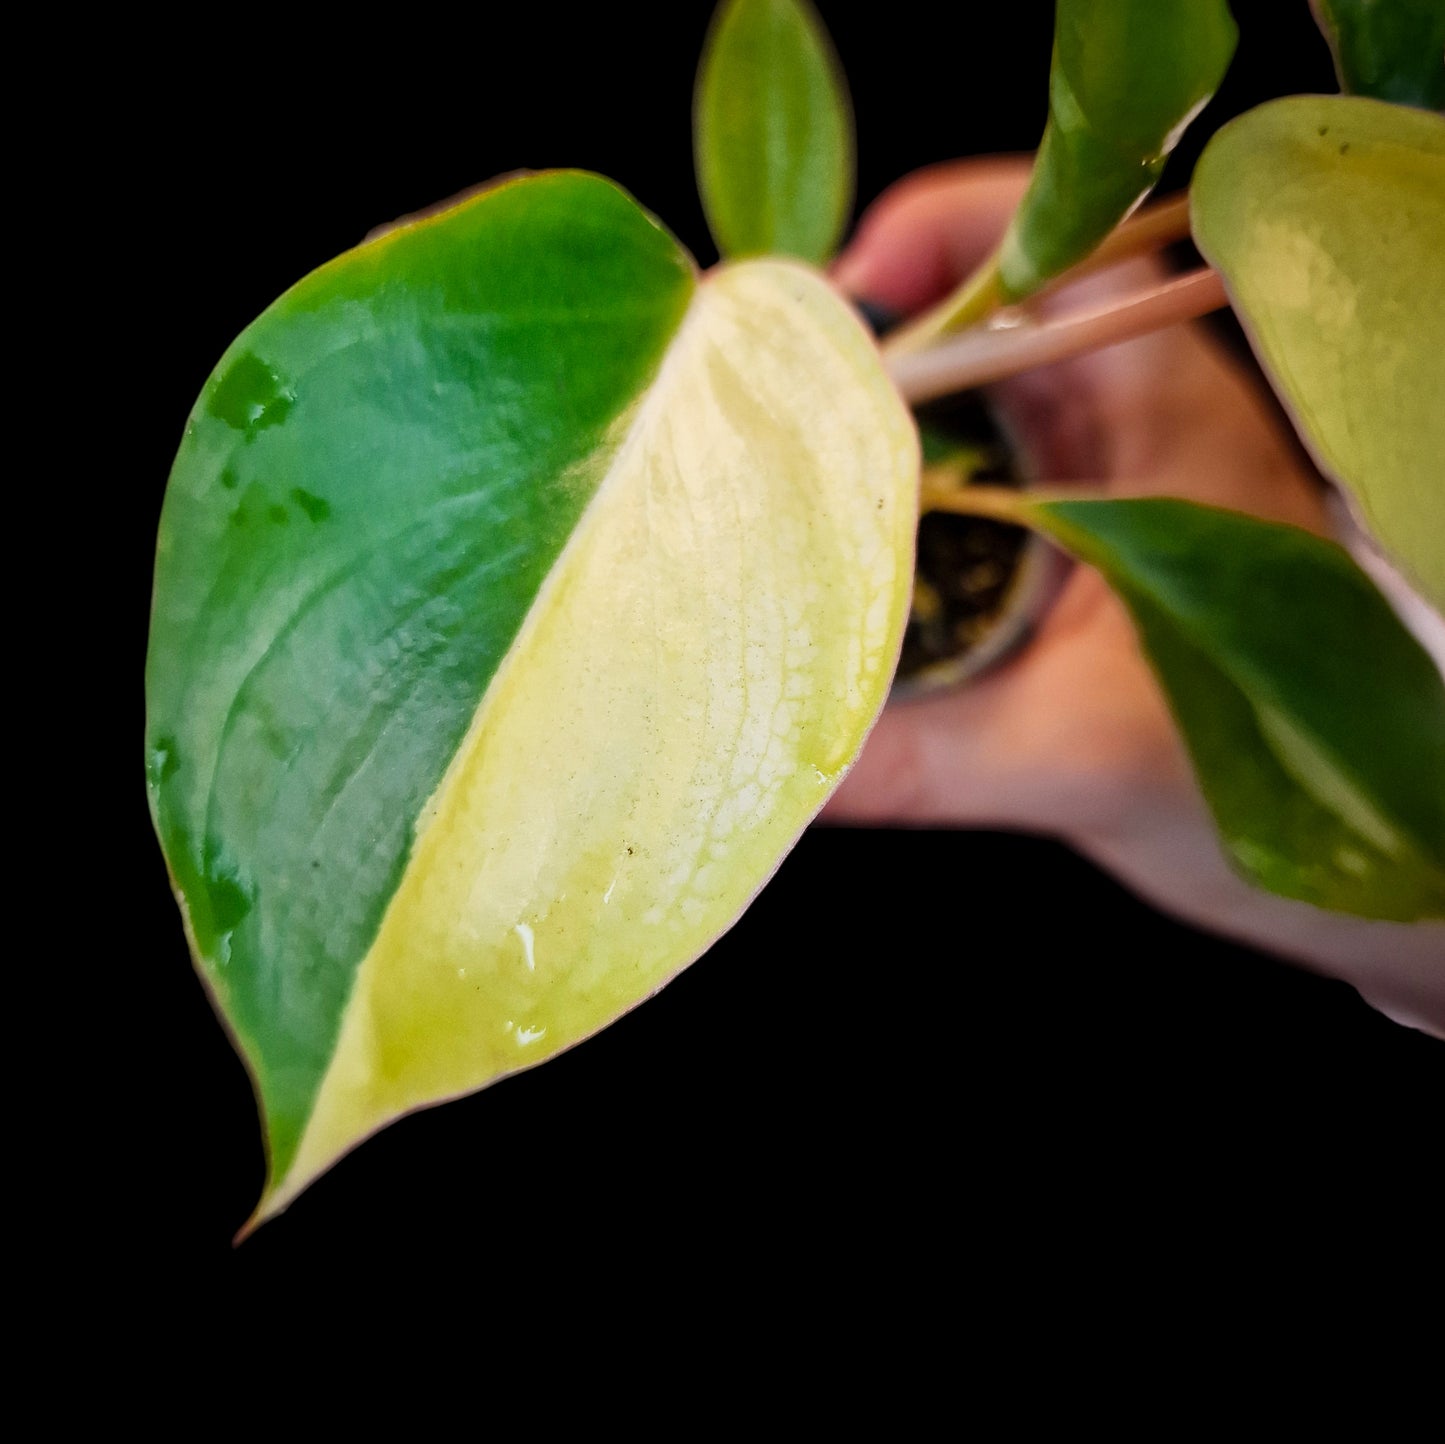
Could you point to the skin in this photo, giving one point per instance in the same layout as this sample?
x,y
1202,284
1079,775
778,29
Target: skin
x,y
1072,738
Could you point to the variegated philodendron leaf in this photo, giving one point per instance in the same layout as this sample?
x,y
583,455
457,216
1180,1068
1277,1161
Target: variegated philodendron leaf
x,y
520,597
1326,217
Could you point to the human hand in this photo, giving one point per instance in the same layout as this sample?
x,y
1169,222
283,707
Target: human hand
x,y
1072,737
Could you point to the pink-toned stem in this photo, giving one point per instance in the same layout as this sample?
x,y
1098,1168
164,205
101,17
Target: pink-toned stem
x,y
991,353
980,294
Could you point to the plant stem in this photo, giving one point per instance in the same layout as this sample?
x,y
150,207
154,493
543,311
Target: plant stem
x,y
982,293
974,301
988,354
1002,503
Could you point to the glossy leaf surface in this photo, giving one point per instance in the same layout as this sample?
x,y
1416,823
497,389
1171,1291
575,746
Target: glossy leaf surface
x,y
1326,217
519,599
1127,77
1315,721
773,132
1389,49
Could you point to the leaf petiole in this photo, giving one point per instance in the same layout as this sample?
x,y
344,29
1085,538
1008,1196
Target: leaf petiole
x,y
988,354
981,294
1003,503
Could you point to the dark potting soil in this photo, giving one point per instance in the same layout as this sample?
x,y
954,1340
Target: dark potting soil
x,y
966,565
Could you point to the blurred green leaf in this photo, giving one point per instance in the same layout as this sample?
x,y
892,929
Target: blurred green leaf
x,y
1326,217
1388,49
1127,77
1315,721
773,132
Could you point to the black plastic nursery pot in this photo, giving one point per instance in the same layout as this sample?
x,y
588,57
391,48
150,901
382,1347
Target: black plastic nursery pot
x,y
981,586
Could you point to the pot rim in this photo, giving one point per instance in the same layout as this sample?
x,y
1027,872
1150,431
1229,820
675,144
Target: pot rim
x,y
1039,576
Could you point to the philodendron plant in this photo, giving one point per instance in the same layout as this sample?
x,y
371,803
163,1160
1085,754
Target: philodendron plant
x,y
522,593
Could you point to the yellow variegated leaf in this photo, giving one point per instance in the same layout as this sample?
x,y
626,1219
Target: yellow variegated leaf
x,y
1326,217
711,629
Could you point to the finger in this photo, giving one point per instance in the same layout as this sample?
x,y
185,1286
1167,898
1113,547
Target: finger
x,y
925,234
939,761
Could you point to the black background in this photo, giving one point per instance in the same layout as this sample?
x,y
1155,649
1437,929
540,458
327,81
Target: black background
x,y
952,1056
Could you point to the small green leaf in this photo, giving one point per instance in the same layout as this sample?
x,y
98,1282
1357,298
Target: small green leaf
x,y
1315,721
520,596
1127,77
1388,49
773,132
1326,217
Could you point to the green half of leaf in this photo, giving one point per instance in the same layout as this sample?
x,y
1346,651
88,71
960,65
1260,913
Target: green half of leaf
x,y
773,132
1127,77
1326,217
1315,721
1389,49
519,598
